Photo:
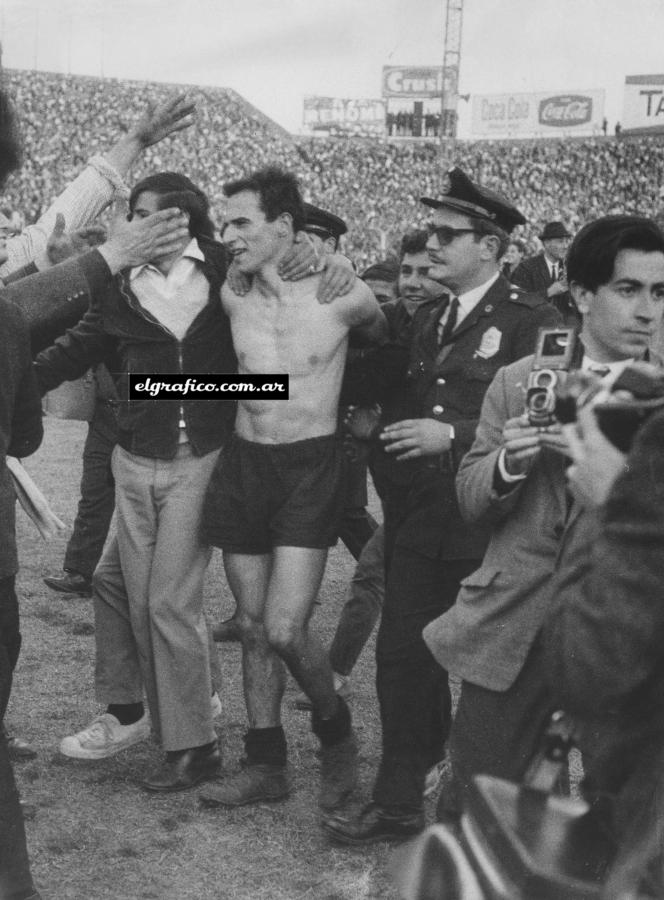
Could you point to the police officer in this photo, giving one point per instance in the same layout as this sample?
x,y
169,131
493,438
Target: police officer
x,y
458,344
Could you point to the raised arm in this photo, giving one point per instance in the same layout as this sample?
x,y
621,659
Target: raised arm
x,y
99,183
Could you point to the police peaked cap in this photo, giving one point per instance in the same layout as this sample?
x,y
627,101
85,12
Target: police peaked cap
x,y
322,222
464,196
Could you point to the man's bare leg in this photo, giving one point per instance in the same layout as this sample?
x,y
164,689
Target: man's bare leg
x,y
262,670
264,777
294,583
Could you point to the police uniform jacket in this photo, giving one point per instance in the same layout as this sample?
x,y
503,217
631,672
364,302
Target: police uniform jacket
x,y
448,384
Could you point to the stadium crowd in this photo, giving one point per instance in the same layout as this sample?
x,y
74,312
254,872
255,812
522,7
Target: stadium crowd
x,y
485,524
68,118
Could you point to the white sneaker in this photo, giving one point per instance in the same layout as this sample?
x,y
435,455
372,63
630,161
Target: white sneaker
x,y
105,737
215,703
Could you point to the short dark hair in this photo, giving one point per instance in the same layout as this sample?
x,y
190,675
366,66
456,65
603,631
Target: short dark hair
x,y
183,194
10,144
484,228
413,242
278,192
591,258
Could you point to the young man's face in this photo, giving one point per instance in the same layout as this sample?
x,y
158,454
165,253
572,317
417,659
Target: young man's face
x,y
251,240
621,318
414,285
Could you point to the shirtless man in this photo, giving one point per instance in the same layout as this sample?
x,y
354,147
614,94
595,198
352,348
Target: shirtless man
x,y
277,495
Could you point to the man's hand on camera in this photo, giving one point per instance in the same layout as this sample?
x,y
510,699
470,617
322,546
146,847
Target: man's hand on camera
x,y
144,240
521,444
555,438
597,463
417,437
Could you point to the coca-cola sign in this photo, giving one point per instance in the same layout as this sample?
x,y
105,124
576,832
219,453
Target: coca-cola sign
x,y
565,110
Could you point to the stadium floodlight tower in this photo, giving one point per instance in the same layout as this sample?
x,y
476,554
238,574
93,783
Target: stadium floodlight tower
x,y
449,95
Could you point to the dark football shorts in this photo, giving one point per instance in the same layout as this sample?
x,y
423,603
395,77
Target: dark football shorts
x,y
262,496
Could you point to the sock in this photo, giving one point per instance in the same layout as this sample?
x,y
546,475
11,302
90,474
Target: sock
x,y
126,713
266,746
335,729
174,754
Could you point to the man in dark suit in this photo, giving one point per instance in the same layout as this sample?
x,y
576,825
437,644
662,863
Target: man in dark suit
x,y
513,481
458,344
545,273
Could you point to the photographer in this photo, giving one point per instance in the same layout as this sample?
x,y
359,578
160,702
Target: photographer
x,y
514,479
604,644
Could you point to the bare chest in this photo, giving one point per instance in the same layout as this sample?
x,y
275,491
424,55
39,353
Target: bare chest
x,y
295,338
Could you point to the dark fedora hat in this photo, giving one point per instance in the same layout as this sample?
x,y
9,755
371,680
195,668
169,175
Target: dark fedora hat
x,y
554,230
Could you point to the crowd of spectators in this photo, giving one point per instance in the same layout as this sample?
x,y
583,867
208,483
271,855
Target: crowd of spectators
x,y
371,182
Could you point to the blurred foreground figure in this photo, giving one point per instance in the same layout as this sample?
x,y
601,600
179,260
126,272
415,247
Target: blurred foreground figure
x,y
20,435
605,645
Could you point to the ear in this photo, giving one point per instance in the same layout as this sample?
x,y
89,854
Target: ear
x,y
581,296
285,221
490,244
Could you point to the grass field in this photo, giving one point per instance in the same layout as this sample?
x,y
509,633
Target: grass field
x,y
97,834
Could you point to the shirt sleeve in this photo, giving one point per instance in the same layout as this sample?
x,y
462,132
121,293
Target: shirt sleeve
x,y
80,203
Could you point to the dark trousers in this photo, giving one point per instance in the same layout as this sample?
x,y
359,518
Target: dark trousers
x,y
413,692
97,501
15,878
362,608
497,732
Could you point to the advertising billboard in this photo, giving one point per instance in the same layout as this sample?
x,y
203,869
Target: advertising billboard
x,y
420,82
537,114
323,113
643,104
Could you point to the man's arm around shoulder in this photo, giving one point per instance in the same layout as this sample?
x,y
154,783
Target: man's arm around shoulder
x,y
361,311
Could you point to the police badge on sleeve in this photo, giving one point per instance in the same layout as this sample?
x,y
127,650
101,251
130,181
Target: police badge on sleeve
x,y
490,343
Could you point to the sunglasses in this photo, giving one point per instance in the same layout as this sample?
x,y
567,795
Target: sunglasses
x,y
446,234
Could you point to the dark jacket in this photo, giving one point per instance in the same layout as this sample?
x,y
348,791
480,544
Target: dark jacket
x,y
605,637
20,420
448,385
117,322
533,275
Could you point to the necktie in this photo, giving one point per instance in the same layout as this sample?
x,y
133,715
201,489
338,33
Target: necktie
x,y
554,272
445,332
